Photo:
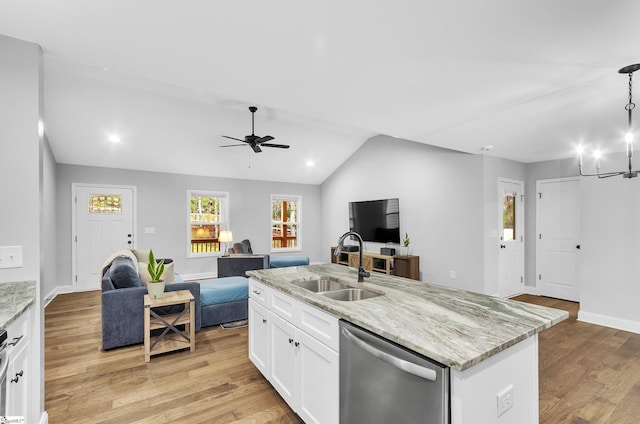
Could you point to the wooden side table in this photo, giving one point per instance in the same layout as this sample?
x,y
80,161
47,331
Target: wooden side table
x,y
172,338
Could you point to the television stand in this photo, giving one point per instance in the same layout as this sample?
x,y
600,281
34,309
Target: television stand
x,y
401,266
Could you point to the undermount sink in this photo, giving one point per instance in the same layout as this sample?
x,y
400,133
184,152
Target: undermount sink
x,y
350,294
321,285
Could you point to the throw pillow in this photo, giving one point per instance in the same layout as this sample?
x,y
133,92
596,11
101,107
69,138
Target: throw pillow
x,y
124,273
141,255
168,275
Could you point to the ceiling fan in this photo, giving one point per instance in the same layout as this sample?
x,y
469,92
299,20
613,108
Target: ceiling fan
x,y
253,140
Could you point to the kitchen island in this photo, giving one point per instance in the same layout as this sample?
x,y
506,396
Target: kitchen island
x,y
489,343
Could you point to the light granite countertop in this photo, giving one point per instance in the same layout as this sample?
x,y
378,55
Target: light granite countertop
x,y
15,298
454,327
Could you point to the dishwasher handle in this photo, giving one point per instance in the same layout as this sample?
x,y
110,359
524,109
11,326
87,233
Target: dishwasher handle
x,y
406,366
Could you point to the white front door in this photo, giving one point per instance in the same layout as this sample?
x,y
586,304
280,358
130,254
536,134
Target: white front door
x,y
104,223
511,237
558,238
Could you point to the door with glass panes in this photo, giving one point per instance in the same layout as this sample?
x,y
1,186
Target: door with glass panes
x,y
511,237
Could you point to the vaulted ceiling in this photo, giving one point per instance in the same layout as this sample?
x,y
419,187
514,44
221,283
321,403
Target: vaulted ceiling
x,y
530,78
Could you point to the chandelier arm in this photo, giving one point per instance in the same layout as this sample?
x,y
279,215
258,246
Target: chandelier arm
x,y
602,174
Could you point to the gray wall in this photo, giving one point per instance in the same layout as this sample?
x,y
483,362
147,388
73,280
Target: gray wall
x,y
162,204
441,204
609,271
19,160
24,183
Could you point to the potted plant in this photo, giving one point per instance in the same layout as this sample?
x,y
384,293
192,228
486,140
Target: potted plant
x,y
155,287
405,245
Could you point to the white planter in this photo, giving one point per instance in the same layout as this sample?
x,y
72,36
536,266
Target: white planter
x,y
156,290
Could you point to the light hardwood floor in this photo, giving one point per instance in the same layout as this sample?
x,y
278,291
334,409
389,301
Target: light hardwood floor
x,y
588,374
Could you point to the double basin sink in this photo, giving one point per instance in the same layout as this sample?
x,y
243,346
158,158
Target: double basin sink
x,y
334,289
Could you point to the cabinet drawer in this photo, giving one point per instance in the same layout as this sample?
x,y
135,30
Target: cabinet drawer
x,y
320,325
285,306
259,292
18,331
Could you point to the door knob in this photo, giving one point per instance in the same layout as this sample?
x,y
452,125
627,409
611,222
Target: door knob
x,y
129,242
502,246
128,235
578,247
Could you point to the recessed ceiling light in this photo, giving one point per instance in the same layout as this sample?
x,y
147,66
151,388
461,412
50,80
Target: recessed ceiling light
x,y
310,163
114,138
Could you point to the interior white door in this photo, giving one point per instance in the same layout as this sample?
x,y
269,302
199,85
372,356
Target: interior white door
x,y
558,238
511,243
103,224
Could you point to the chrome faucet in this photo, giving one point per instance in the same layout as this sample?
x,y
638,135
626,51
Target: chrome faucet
x,y
361,272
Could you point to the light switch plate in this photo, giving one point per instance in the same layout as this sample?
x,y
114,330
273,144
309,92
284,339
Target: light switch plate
x,y
10,256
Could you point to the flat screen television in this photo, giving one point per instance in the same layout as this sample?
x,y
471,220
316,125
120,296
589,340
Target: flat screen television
x,y
376,220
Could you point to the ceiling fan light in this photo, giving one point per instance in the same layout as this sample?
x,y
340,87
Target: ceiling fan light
x,y
628,137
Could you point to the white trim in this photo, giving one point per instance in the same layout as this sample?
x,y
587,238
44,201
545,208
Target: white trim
x,y
225,222
297,198
530,290
608,321
74,221
44,419
56,291
199,276
537,229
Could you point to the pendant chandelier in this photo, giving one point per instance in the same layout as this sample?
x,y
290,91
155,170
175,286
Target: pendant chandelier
x,y
629,173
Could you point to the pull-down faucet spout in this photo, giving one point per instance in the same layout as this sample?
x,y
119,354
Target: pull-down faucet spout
x,y
361,272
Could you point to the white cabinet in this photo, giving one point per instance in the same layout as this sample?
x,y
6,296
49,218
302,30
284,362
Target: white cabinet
x,y
282,358
302,360
259,336
318,380
19,370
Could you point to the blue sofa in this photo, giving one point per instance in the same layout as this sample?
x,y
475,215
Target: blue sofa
x,y
216,302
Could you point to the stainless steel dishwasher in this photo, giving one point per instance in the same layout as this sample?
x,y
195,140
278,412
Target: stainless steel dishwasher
x,y
382,382
4,363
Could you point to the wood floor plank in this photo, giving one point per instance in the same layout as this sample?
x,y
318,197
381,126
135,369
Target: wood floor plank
x,y
588,374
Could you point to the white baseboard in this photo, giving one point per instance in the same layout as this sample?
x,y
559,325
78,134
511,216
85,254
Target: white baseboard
x,y
608,321
56,291
199,276
530,290
44,419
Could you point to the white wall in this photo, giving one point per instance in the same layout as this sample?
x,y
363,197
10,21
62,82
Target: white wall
x,y
441,204
23,182
162,204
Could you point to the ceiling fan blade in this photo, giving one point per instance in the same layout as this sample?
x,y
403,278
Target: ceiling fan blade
x,y
256,148
264,139
233,138
233,145
279,146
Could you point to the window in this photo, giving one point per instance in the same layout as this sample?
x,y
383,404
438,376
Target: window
x,y
105,203
509,217
208,216
285,222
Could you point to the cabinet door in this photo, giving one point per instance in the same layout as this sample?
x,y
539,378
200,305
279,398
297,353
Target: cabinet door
x,y
18,383
282,367
318,384
259,337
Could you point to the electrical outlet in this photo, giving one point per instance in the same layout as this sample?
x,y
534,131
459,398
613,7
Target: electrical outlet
x,y
452,275
10,256
505,400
